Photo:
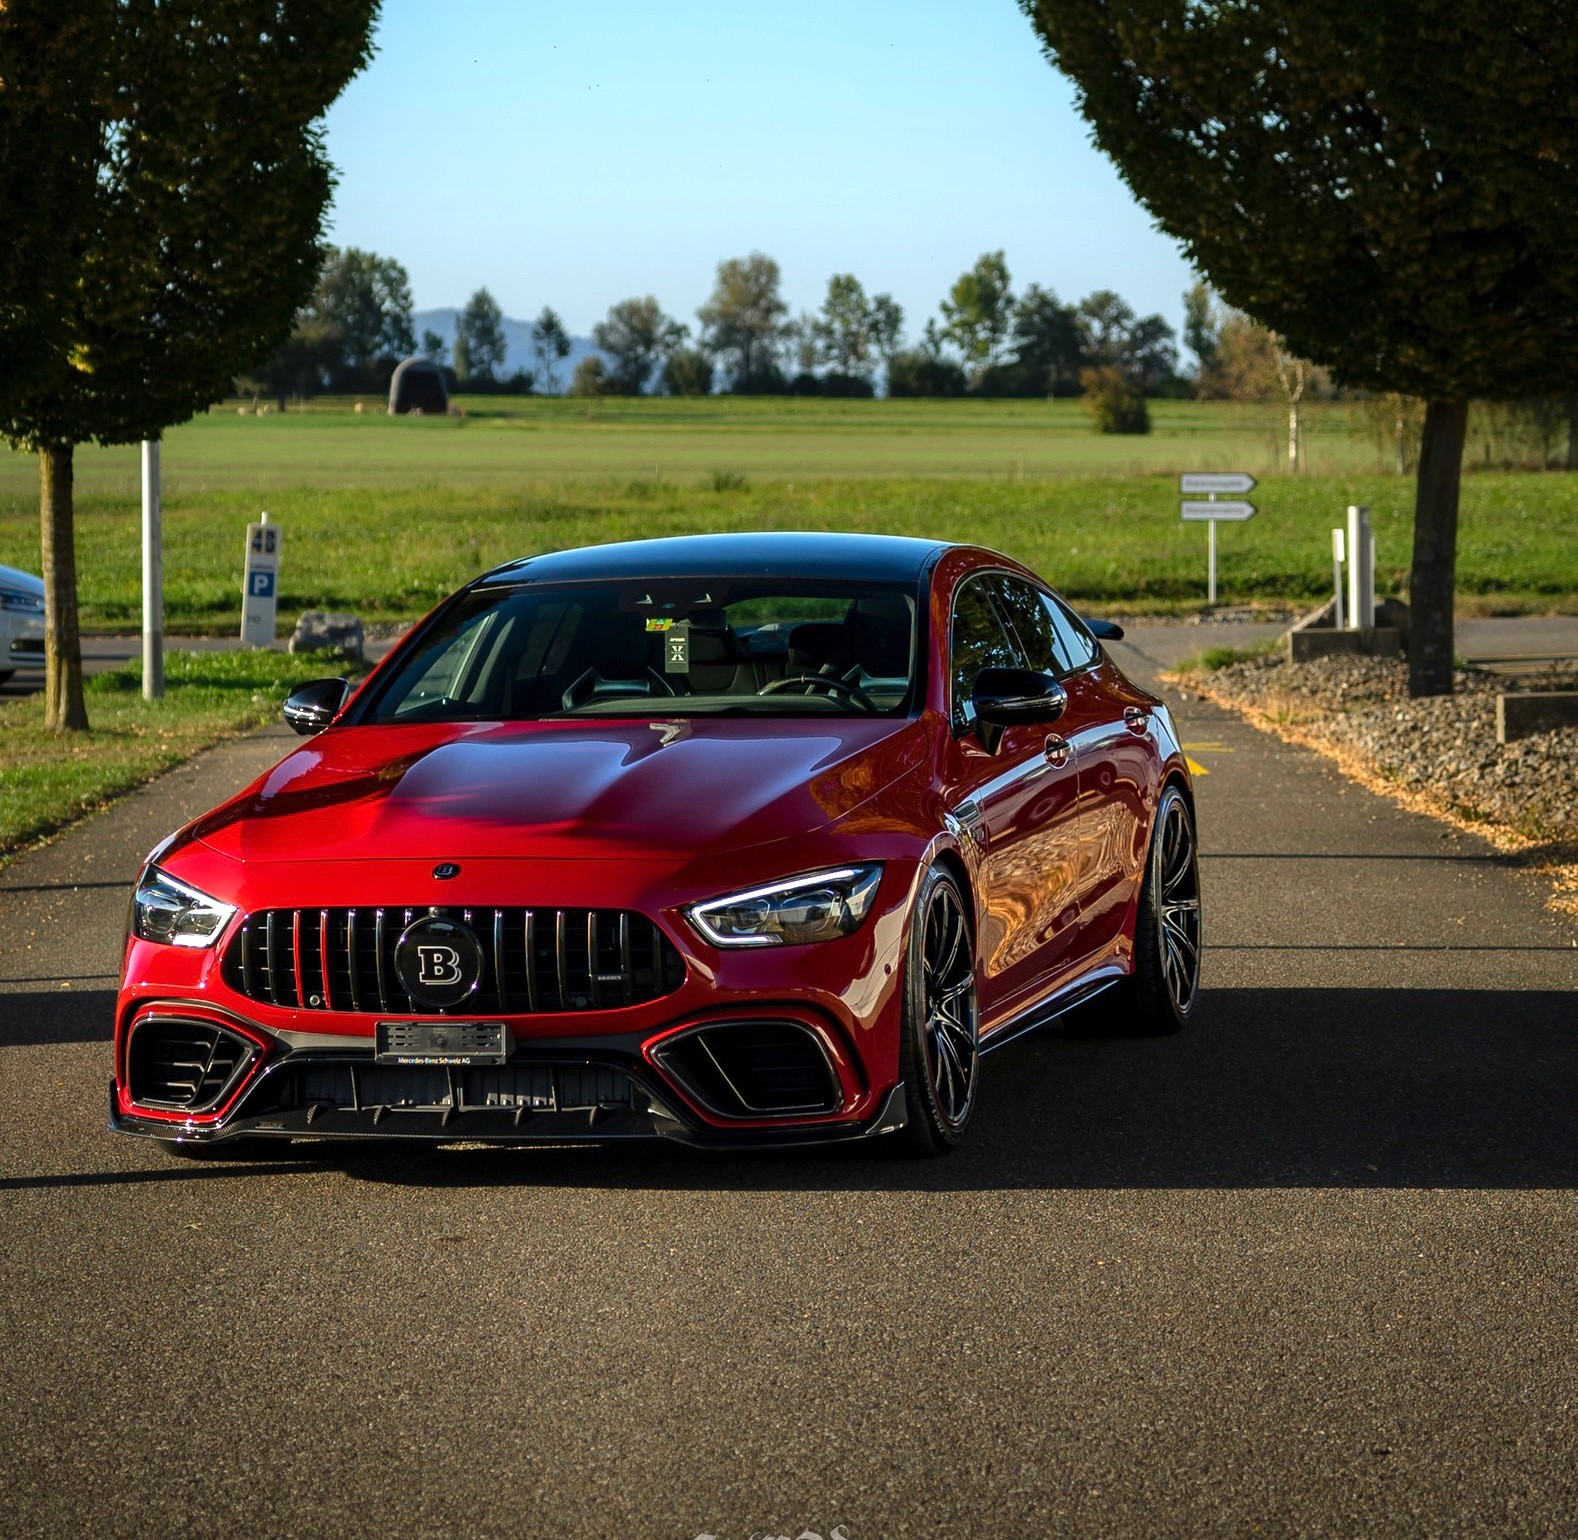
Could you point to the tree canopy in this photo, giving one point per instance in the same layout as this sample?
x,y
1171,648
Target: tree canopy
x,y
743,322
480,344
1391,188
162,189
636,335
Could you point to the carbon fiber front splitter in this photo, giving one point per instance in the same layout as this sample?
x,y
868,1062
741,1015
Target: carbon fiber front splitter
x,y
513,1126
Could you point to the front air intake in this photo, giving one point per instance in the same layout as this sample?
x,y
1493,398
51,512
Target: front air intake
x,y
179,1064
752,1069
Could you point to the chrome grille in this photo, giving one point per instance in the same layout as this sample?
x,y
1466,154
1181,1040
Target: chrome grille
x,y
534,960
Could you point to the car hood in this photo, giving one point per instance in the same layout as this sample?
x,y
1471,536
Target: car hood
x,y
560,790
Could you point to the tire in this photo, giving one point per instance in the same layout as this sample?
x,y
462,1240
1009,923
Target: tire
x,y
939,1054
1161,995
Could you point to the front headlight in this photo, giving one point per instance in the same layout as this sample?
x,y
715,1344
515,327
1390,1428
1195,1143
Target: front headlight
x,y
17,599
173,914
816,907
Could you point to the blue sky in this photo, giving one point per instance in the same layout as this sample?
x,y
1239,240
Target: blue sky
x,y
574,154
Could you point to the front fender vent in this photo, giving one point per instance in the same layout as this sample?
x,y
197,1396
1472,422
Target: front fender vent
x,y
535,961
179,1064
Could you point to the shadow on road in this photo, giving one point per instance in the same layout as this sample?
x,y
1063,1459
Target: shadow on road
x,y
1399,1088
57,1015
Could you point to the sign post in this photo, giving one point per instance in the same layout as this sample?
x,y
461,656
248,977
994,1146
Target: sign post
x,y
1211,512
152,575
260,584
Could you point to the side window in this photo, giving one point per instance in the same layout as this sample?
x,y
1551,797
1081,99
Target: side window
x,y
1028,611
1074,641
978,641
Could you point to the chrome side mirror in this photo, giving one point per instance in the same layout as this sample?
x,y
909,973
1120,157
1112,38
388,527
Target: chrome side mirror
x,y
311,707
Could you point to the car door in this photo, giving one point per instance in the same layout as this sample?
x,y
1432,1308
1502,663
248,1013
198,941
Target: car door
x,y
1108,721
1015,800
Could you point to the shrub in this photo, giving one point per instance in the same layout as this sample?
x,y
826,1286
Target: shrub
x,y
590,378
915,372
1114,402
687,372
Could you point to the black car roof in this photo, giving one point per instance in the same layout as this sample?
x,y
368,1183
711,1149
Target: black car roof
x,y
876,558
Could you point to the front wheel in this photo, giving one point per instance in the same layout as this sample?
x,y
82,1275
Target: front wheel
x,y
939,1055
1160,995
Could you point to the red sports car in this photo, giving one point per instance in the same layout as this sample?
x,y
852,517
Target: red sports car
x,y
736,840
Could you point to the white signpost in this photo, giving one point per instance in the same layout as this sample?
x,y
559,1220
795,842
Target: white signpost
x,y
1211,512
260,584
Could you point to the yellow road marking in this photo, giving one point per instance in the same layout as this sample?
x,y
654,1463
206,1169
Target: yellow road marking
x,y
1206,748
1195,767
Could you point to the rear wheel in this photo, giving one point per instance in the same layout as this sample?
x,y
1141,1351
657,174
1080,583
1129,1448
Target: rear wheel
x,y
1161,994
939,1056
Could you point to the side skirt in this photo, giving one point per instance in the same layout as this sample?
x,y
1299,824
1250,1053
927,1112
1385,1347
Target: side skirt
x,y
1044,1012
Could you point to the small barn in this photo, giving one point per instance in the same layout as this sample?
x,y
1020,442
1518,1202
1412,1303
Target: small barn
x,y
418,386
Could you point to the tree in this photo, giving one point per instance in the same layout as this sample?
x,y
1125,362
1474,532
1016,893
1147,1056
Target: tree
x,y
1201,330
887,326
1048,349
481,326
635,336
589,378
433,346
978,310
1112,336
844,330
460,357
364,301
1254,364
550,346
743,321
164,167
1390,188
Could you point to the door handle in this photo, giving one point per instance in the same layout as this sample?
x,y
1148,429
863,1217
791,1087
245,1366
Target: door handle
x,y
1058,751
1136,719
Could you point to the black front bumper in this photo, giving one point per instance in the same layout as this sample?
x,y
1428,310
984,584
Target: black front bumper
x,y
532,1099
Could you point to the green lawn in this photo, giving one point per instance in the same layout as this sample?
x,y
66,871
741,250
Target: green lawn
x,y
383,516
49,780
508,441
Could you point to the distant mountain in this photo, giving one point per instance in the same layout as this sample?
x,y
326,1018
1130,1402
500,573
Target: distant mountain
x,y
517,338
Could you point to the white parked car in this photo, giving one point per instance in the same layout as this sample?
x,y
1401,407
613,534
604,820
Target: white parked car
x,y
21,621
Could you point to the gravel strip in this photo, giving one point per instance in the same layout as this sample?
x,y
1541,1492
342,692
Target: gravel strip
x,y
1439,753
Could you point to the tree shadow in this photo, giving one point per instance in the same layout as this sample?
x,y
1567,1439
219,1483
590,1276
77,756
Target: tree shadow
x,y
1356,1088
32,1016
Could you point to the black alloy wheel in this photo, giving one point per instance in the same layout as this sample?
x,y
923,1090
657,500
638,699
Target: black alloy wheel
x,y
1161,994
939,1054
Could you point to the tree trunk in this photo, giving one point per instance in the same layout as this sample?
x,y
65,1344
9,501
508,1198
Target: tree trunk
x,y
1572,433
64,707
1293,437
1432,584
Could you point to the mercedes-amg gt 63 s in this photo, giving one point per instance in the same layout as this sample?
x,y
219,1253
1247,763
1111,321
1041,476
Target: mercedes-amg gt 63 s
x,y
735,840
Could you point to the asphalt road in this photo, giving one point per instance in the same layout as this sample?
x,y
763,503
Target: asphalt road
x,y
1305,1269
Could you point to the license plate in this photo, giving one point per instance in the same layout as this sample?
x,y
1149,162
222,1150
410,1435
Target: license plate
x,y
441,1042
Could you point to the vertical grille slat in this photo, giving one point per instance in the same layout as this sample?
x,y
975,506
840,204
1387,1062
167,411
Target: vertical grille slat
x,y
535,961
350,958
378,952
500,964
561,958
529,935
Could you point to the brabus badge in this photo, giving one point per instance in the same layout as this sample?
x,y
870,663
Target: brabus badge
x,y
445,870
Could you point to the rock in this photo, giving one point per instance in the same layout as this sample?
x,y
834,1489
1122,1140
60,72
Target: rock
x,y
318,629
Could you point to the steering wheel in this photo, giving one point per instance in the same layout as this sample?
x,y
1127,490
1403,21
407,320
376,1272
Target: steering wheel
x,y
835,686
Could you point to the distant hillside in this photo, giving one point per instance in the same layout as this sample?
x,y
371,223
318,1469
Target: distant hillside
x,y
517,336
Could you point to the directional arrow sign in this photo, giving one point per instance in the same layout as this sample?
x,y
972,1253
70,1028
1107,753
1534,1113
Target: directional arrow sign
x,y
1227,481
1201,513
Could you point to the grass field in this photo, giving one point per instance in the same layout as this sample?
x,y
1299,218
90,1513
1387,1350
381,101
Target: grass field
x,y
383,516
50,780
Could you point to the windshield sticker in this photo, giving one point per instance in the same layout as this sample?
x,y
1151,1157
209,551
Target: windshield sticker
x,y
661,623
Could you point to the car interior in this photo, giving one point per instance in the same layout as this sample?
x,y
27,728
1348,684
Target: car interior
x,y
599,651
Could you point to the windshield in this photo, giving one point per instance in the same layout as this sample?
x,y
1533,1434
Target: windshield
x,y
679,647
